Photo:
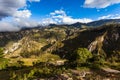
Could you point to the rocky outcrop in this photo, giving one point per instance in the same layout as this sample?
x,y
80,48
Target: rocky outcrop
x,y
13,48
97,44
25,45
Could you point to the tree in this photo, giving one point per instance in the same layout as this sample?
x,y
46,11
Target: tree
x,y
82,55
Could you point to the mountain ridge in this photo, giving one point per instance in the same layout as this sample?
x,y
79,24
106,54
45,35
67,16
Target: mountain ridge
x,y
96,23
60,49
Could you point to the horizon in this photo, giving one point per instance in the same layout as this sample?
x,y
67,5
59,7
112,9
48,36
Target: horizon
x,y
30,13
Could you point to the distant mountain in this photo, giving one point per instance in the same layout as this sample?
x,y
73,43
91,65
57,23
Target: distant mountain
x,y
78,24
102,22
90,24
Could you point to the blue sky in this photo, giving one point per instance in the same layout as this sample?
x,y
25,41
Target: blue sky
x,y
73,8
15,14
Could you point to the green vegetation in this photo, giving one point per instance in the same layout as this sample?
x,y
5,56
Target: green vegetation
x,y
3,61
49,52
82,55
1,52
36,35
41,70
29,54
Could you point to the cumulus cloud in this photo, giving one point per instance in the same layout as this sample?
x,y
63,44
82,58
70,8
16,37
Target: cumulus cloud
x,y
22,14
21,22
99,3
110,16
15,24
7,26
8,7
60,17
17,10
47,21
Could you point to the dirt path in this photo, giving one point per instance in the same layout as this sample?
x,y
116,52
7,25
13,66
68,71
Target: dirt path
x,y
109,70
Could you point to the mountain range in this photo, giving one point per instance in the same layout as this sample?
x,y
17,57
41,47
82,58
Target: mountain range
x,y
94,23
94,45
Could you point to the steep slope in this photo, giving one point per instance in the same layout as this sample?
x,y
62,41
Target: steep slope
x,y
62,40
72,50
27,43
104,40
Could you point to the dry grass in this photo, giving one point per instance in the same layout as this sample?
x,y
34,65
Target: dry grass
x,y
28,61
48,57
42,58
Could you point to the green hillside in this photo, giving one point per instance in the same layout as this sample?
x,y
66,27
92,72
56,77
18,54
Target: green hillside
x,y
61,53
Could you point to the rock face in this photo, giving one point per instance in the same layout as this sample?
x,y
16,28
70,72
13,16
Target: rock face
x,y
99,40
13,48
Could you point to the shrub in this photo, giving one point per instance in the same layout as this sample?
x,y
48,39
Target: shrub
x,y
82,55
98,59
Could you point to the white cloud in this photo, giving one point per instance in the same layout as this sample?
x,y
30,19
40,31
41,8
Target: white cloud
x,y
99,3
22,14
61,12
111,16
15,24
60,17
7,26
34,0
47,21
8,7
69,20
21,22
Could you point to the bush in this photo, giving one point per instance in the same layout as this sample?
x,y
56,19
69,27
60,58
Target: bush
x,y
82,55
98,59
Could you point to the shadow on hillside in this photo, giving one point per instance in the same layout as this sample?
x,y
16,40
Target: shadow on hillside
x,y
81,41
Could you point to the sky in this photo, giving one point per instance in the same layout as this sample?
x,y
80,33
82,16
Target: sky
x,y
15,14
